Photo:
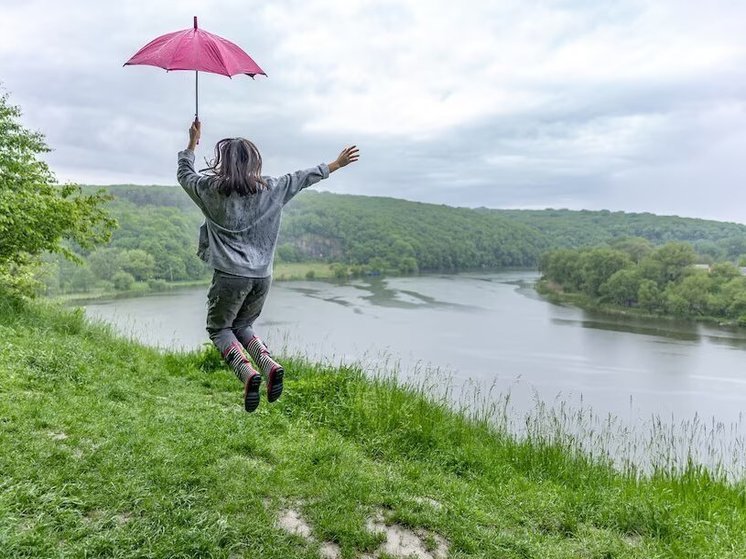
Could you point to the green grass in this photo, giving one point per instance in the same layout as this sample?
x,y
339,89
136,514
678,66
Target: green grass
x,y
283,271
112,449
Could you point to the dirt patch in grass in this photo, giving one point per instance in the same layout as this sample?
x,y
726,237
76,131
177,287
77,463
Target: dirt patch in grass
x,y
400,541
293,522
403,542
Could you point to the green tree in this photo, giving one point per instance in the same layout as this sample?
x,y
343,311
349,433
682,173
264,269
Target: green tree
x,y
138,263
674,258
710,250
83,279
652,269
690,296
734,246
734,295
563,267
649,296
123,281
36,214
622,287
636,247
724,271
105,262
48,277
408,265
598,265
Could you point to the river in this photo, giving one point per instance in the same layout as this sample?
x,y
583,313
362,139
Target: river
x,y
492,333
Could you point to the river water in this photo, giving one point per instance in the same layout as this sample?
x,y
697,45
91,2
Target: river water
x,y
491,333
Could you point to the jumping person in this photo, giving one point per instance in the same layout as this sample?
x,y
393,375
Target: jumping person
x,y
242,212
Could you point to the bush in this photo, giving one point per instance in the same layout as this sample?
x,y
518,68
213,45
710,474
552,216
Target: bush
x,y
123,281
339,271
157,284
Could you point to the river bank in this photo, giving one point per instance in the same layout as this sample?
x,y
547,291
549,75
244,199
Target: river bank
x,y
494,332
554,294
113,448
284,271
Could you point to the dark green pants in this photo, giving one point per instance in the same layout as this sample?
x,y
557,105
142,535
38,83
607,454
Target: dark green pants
x,y
233,304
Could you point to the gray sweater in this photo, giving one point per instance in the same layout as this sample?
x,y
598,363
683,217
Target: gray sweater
x,y
240,232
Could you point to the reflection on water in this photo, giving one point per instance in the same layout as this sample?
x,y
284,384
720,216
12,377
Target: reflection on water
x,y
317,294
736,340
732,337
381,295
631,327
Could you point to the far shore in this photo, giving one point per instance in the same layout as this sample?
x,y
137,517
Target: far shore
x,y
284,271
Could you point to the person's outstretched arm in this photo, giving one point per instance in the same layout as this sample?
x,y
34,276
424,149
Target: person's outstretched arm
x,y
295,182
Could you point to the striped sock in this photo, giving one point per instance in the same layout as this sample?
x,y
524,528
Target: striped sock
x,y
238,362
260,354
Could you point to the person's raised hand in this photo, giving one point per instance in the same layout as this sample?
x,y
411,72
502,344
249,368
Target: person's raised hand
x,y
195,132
347,156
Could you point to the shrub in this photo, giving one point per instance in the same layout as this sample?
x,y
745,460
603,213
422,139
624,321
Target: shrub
x,y
123,281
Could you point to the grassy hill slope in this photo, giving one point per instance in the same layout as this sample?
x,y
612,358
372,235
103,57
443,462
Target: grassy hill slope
x,y
111,449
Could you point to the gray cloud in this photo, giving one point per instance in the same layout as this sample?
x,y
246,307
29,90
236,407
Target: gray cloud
x,y
553,104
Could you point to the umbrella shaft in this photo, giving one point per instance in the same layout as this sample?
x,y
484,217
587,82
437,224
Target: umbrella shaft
x,y
196,95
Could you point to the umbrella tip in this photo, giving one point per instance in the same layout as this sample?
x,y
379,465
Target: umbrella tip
x,y
195,22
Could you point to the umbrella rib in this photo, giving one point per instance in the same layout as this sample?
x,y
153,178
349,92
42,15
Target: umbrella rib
x,y
183,38
186,38
222,61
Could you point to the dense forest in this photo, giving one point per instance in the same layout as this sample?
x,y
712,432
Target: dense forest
x,y
397,235
155,241
632,273
714,240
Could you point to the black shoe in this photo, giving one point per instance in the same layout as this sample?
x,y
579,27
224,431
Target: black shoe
x,y
274,383
251,392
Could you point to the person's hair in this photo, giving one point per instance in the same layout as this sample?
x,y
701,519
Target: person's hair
x,y
237,167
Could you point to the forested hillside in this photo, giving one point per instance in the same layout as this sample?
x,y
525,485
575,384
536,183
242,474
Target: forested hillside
x,y
574,229
405,236
157,236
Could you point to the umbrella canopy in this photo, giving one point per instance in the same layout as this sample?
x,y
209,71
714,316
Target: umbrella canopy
x,y
198,50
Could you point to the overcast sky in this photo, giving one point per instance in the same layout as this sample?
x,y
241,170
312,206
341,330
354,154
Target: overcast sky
x,y
623,105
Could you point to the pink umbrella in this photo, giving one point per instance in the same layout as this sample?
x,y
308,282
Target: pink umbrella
x,y
198,50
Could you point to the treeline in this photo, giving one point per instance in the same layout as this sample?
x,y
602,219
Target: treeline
x,y
156,239
712,240
632,273
389,234
155,243
359,229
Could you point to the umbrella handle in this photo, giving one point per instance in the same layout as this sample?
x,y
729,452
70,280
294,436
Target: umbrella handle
x,y
196,97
